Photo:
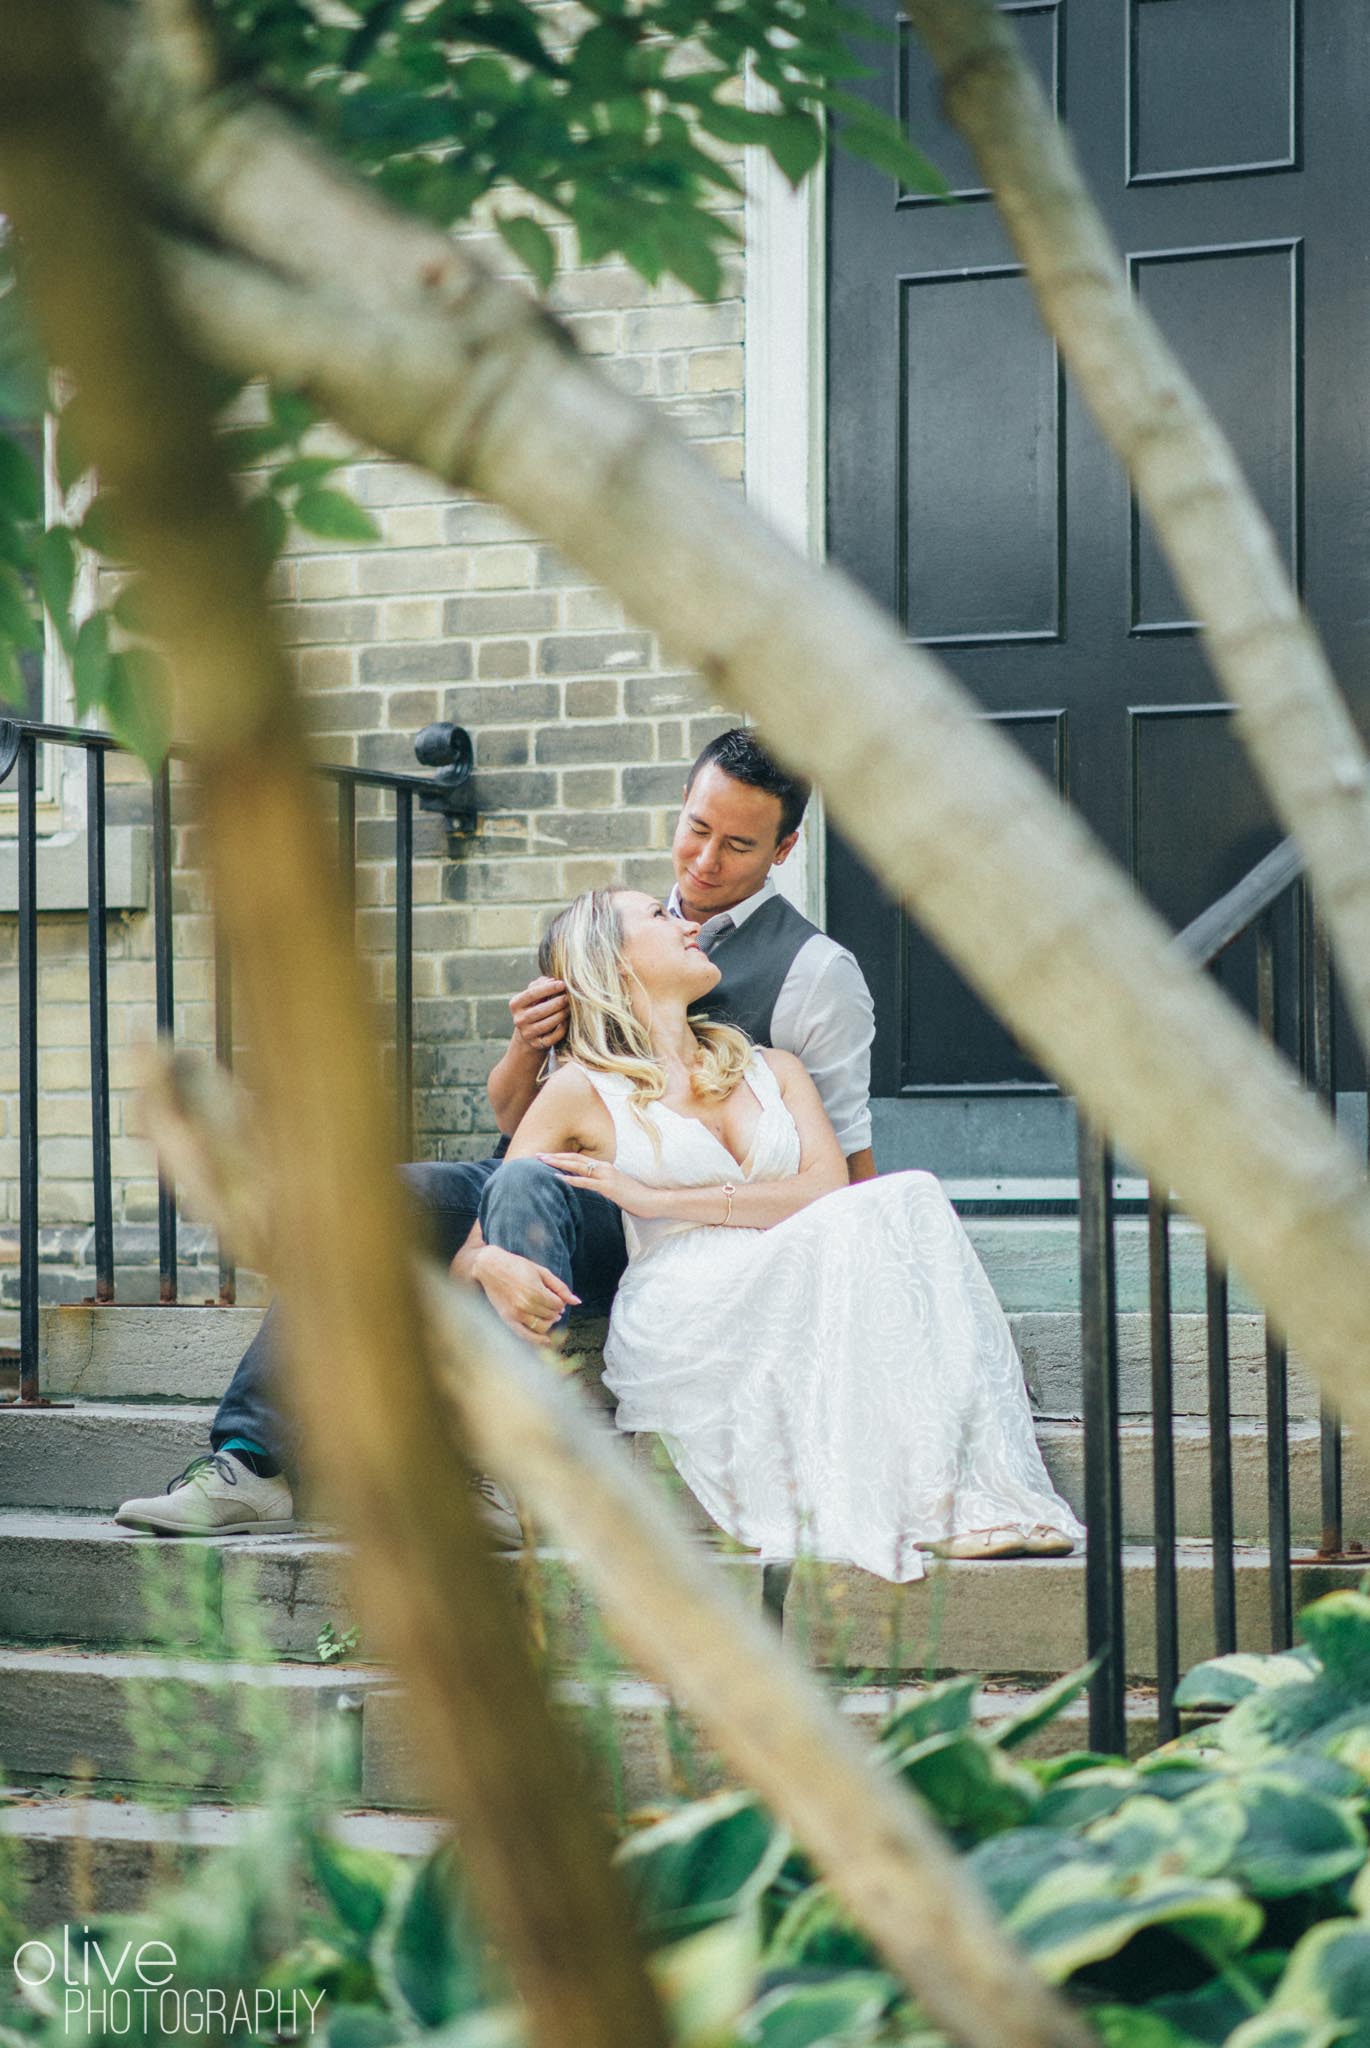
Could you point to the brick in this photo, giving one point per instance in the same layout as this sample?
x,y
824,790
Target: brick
x,y
670,740
652,872
593,697
411,618
472,880
511,789
346,711
394,483
691,326
500,704
592,611
504,658
596,334
523,612
653,785
393,751
575,653
715,369
487,1011
649,696
590,874
610,286
507,925
472,520
414,526
584,789
436,570
554,570
447,661
326,576
701,416
593,831
598,743
723,457
407,710
702,730
302,624
483,974
506,568
501,747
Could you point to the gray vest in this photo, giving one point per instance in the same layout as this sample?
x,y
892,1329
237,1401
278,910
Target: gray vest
x,y
755,958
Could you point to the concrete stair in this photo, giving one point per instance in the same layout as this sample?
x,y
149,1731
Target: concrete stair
x,y
137,1388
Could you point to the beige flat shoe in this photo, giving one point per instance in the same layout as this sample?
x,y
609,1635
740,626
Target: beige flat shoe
x,y
980,1544
1041,1540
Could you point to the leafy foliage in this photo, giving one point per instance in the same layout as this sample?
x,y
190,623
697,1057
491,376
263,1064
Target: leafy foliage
x,y
608,117
1214,1892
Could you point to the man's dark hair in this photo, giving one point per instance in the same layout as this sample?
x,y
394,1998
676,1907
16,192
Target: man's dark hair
x,y
739,754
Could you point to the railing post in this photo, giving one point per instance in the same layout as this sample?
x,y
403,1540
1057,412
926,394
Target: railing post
x,y
1103,1483
1163,1466
166,1007
1324,1082
404,970
28,1068
97,932
1222,1529
1276,1366
223,1053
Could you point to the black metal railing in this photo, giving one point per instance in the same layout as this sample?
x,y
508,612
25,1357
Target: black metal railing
x,y
1308,1018
20,741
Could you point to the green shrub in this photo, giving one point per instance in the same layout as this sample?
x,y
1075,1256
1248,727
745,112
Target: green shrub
x,y
1214,1891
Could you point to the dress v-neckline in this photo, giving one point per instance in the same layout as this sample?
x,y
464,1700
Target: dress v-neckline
x,y
743,1165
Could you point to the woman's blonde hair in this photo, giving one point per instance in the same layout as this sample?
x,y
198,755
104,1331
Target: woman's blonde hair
x,y
583,946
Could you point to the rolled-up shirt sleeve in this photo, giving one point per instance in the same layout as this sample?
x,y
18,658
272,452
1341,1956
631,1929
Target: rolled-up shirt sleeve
x,y
828,1020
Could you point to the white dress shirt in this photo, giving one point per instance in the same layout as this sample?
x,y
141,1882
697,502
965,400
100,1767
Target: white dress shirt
x,y
824,1015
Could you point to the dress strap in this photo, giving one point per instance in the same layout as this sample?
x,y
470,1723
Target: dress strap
x,y
761,1075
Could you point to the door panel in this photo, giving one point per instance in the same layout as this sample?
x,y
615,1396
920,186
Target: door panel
x,y
970,493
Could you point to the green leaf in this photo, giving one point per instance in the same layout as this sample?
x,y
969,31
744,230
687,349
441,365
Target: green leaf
x,y
361,2026
1288,1839
269,526
885,146
1328,1978
1131,2026
1084,1796
291,413
971,1787
90,663
1287,2030
55,569
305,469
70,456
129,609
815,1933
99,529
1075,1917
795,143
1044,1708
705,1980
701,1864
531,243
21,486
137,703
1222,1681
943,1709
246,447
17,623
1337,1631
846,2010
14,691
332,515
427,1953
356,1882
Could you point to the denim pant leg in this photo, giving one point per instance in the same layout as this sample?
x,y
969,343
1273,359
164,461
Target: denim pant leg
x,y
528,1208
449,1193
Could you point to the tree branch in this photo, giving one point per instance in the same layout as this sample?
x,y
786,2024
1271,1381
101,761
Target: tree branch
x,y
1008,881
763,1712
426,1587
1291,714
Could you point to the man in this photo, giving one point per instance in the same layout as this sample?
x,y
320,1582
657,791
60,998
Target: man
x,y
539,1249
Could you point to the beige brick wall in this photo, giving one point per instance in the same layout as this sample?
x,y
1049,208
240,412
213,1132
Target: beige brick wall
x,y
582,735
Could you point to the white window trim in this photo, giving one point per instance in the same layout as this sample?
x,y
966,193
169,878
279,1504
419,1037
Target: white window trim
x,y
783,407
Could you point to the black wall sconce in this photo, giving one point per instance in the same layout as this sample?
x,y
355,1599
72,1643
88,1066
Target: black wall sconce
x,y
448,748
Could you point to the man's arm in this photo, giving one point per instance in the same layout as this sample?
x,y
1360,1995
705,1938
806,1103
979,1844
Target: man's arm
x,y
539,1012
861,1165
828,1021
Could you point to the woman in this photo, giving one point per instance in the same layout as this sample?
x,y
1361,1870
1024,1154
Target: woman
x,y
827,1364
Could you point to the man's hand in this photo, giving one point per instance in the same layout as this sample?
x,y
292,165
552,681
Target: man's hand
x,y
524,1295
541,1012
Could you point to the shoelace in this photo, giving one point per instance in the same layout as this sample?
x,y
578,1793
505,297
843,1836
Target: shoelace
x,y
218,1460
488,1489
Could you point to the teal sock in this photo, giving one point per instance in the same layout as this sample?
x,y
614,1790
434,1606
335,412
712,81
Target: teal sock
x,y
254,1455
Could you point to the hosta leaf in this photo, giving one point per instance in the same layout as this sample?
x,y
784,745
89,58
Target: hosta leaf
x,y
846,2010
1222,1681
1147,1832
701,1864
426,1953
706,1980
944,1709
1288,1838
1287,2030
1328,1978
1085,1796
1132,2026
1044,1707
21,487
814,1933
332,515
532,244
356,1882
1337,1630
970,1786
361,2026
1072,1918
1008,1866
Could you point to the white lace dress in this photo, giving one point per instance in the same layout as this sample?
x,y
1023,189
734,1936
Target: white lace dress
x,y
843,1385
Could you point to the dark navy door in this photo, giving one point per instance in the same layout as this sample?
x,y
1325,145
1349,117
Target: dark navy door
x,y
969,492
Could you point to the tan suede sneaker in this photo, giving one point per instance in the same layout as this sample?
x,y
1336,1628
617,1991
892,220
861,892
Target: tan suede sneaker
x,y
216,1495
498,1513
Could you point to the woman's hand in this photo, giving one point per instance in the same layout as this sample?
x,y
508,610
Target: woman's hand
x,y
602,1177
526,1296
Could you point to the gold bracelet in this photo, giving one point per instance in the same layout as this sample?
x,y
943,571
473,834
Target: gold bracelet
x,y
729,1190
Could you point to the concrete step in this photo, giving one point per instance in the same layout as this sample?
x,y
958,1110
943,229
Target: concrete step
x,y
80,1856
94,1454
189,1354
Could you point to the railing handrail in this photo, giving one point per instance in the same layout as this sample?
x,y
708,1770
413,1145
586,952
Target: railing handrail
x,y
1216,928
84,736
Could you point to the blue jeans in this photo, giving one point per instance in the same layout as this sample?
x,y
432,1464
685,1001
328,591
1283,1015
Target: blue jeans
x,y
522,1206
